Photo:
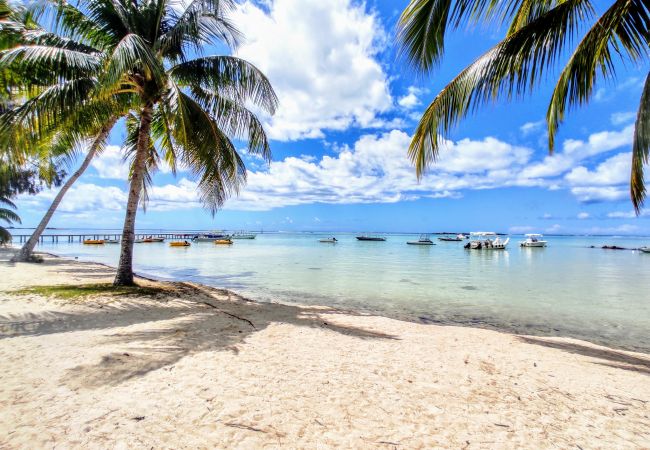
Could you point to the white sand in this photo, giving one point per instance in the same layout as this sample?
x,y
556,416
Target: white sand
x,y
171,372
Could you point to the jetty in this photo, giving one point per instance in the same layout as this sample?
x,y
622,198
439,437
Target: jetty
x,y
55,238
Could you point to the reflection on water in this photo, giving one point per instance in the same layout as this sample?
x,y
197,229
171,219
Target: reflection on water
x,y
564,289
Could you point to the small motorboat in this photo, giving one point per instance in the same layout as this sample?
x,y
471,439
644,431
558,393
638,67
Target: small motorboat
x,y
94,242
179,244
367,237
424,240
645,249
331,240
457,238
223,242
242,235
151,239
533,240
209,237
486,240
111,241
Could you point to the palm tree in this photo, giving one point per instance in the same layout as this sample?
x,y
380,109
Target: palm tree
x,y
7,216
26,93
184,110
539,32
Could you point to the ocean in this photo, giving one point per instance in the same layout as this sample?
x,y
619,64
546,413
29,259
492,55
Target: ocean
x,y
567,289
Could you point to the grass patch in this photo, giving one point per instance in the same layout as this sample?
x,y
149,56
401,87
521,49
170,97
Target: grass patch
x,y
72,292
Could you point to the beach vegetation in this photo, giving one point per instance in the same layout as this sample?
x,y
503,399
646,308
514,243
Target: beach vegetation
x,y
84,291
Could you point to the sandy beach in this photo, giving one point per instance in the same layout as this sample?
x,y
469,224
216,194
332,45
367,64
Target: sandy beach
x,y
196,367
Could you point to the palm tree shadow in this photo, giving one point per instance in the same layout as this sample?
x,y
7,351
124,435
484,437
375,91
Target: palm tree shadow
x,y
196,319
607,357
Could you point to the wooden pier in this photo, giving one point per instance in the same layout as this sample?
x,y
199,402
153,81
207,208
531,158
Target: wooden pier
x,y
70,238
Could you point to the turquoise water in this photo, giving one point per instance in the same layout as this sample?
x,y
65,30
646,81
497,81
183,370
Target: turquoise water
x,y
566,289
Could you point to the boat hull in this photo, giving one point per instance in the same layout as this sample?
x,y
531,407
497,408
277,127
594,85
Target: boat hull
x,y
327,241
533,244
94,242
449,239
645,249
372,239
420,243
223,242
179,244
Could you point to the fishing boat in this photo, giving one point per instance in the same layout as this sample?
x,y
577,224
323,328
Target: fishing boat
x,y
486,240
368,237
179,244
423,240
533,240
138,241
457,238
94,242
645,249
242,235
223,242
111,241
331,240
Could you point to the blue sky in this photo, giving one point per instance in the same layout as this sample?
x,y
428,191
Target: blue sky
x,y
348,106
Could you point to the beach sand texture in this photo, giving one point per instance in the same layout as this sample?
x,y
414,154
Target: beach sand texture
x,y
186,369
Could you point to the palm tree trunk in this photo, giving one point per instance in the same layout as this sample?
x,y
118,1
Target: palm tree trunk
x,y
124,276
25,252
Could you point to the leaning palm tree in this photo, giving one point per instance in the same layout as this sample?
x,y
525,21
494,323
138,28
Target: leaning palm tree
x,y
539,32
185,111
29,90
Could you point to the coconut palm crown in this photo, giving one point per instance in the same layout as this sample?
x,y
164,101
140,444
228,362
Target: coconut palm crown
x,y
184,107
539,33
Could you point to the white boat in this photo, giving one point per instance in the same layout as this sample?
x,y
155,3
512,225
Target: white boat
x,y
486,240
424,240
331,240
111,241
242,235
458,238
533,240
209,237
645,249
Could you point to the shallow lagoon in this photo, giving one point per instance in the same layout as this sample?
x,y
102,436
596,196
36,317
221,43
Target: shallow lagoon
x,y
566,289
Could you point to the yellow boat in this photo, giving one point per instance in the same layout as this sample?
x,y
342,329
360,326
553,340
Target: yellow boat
x,y
93,241
223,242
179,244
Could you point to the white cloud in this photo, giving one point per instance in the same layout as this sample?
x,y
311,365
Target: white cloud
x,y
583,215
594,194
556,227
621,118
410,100
321,59
575,150
520,229
531,127
613,171
110,164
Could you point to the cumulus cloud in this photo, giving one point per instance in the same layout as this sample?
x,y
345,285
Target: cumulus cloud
x,y
583,215
110,164
595,194
321,59
410,100
613,171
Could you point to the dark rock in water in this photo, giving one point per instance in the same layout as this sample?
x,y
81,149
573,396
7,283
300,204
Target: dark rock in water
x,y
469,288
613,247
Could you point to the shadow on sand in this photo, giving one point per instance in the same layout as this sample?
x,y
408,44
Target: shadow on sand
x,y
610,358
166,328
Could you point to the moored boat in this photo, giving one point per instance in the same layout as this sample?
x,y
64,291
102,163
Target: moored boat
x,y
645,249
179,244
209,237
331,240
486,240
533,240
242,235
223,242
111,241
368,237
423,240
457,238
94,241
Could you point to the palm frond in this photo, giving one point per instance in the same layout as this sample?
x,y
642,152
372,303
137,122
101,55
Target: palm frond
x,y
230,76
641,149
624,29
511,68
132,54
